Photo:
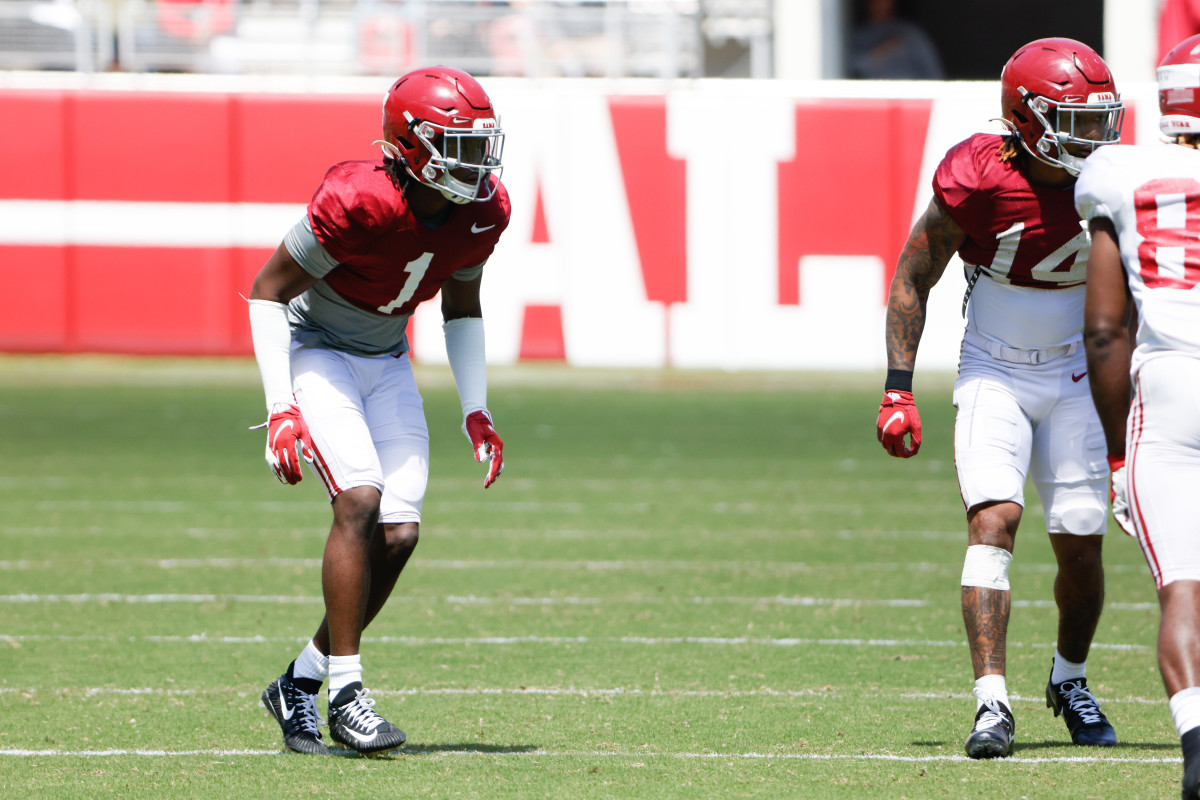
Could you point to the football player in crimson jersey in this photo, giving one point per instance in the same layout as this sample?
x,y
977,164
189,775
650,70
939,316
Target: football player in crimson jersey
x,y
328,313
1005,205
1139,202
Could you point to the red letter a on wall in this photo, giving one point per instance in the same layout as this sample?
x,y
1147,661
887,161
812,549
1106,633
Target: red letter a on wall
x,y
656,190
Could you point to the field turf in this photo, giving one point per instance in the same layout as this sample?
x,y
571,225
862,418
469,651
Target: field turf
x,y
683,586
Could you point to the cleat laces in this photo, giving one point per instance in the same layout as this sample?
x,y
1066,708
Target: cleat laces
x,y
307,717
993,716
1081,701
360,712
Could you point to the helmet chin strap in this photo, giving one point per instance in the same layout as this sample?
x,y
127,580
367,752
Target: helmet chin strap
x,y
457,199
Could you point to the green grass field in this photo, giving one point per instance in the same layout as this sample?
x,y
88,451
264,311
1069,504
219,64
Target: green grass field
x,y
684,586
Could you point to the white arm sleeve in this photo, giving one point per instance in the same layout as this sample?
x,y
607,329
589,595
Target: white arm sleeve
x,y
465,351
272,336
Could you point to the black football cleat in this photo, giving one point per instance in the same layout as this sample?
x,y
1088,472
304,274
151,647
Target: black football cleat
x,y
994,732
296,712
1081,711
1191,764
1191,782
354,723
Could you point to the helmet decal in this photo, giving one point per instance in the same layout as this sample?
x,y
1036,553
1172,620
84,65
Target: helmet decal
x,y
1179,89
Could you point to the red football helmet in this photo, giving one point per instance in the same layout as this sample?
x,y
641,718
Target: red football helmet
x,y
1059,98
1179,89
439,123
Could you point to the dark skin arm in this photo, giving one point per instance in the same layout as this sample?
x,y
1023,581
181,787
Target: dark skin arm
x,y
281,278
461,299
1106,335
933,240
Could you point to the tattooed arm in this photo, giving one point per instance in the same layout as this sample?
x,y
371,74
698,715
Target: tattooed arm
x,y
933,240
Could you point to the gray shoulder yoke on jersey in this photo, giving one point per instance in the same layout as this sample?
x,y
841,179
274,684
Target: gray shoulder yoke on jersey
x,y
469,273
309,253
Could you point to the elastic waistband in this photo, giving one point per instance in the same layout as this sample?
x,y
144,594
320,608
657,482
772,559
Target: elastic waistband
x,y
1020,355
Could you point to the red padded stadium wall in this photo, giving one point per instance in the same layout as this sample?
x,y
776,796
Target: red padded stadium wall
x,y
225,148
155,147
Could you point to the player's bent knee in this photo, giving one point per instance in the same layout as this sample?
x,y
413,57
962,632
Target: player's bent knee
x,y
987,567
357,506
1083,520
400,540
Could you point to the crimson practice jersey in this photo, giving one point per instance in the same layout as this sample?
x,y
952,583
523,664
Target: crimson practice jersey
x,y
1025,251
1152,195
377,262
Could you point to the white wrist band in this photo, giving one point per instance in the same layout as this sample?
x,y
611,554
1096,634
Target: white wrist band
x,y
272,337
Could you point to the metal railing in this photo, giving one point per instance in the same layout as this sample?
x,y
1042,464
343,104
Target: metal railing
x,y
57,35
534,38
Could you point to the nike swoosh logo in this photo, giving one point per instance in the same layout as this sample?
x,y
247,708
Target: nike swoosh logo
x,y
279,432
1077,378
287,712
361,738
477,229
899,415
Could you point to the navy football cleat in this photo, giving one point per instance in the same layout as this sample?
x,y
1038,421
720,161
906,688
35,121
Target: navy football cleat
x,y
296,712
1081,711
354,723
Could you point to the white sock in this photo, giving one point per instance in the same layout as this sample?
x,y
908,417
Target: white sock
x,y
1185,709
1066,670
343,670
993,685
311,664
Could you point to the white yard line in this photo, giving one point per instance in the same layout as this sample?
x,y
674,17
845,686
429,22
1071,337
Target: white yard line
x,y
569,565
432,641
451,750
801,602
572,691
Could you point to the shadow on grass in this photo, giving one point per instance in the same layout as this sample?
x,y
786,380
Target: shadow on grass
x,y
1020,746
473,748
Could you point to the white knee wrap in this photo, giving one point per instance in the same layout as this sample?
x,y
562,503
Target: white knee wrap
x,y
986,566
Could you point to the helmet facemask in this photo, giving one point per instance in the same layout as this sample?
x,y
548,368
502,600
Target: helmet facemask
x,y
461,160
1071,131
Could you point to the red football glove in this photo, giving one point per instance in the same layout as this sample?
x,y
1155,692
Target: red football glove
x,y
287,442
486,444
1118,494
898,418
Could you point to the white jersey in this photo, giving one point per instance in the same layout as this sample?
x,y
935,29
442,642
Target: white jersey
x,y
1152,195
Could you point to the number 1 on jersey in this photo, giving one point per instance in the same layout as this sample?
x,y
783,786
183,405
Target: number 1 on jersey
x,y
416,271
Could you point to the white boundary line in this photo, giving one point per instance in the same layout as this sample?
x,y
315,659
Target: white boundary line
x,y
426,641
647,565
571,691
450,750
778,600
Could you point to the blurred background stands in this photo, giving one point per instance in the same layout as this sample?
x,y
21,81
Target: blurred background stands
x,y
532,38
666,39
